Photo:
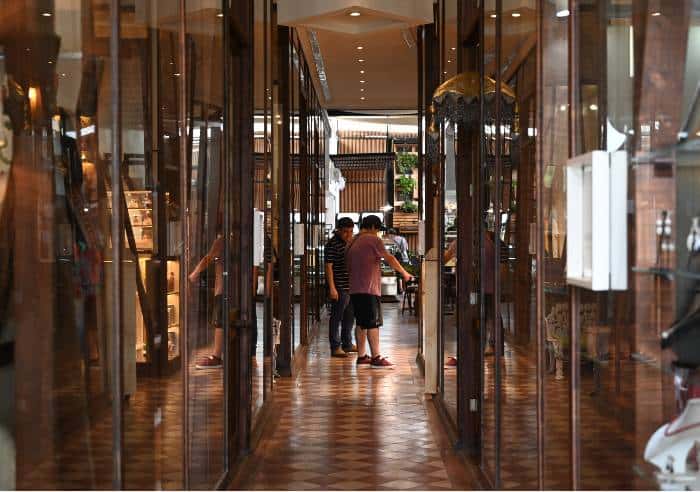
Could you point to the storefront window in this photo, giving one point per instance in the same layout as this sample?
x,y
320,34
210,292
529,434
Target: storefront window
x,y
55,250
144,383
553,134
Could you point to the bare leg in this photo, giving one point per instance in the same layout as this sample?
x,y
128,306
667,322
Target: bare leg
x,y
360,338
218,342
373,337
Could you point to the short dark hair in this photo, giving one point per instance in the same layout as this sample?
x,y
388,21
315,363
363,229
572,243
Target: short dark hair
x,y
391,230
345,223
371,222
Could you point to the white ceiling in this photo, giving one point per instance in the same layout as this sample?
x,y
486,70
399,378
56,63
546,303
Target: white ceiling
x,y
386,30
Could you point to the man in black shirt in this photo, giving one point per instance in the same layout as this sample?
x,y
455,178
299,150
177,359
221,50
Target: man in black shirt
x,y
338,290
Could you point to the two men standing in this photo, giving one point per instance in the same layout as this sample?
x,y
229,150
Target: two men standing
x,y
353,271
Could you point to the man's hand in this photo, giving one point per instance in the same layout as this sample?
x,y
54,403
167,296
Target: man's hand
x,y
407,277
333,294
192,277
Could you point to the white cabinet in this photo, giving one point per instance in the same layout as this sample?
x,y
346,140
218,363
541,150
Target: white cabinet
x,y
596,241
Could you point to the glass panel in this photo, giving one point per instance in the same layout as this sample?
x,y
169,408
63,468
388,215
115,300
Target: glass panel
x,y
630,386
554,134
517,249
487,276
297,242
55,249
151,270
449,275
205,237
262,155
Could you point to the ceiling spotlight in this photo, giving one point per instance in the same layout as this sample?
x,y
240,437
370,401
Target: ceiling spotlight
x,y
449,61
698,134
362,81
355,13
46,14
362,98
176,74
362,90
445,73
656,14
362,71
361,60
515,14
563,13
453,49
593,107
360,47
493,16
220,14
50,62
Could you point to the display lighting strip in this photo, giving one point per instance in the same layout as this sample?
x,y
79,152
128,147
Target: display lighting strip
x,y
320,66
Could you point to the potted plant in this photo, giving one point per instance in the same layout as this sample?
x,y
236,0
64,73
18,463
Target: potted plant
x,y
406,163
409,207
405,186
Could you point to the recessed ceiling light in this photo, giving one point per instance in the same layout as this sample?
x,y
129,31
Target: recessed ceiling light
x,y
46,14
362,71
656,14
220,14
362,90
362,98
176,74
362,81
493,16
355,13
563,13
453,49
593,107
50,62
361,60
515,14
360,47
449,61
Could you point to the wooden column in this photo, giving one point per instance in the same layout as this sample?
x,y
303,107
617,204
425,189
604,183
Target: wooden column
x,y
238,220
466,170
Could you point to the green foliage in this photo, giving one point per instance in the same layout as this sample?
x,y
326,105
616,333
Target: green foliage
x,y
409,207
405,186
406,163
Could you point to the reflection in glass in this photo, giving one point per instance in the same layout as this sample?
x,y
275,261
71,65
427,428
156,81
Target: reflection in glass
x,y
488,321
206,246
449,273
516,303
55,251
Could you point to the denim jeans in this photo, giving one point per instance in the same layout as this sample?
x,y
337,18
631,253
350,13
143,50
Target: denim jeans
x,y
341,315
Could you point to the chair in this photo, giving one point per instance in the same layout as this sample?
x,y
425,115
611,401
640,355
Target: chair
x,y
409,297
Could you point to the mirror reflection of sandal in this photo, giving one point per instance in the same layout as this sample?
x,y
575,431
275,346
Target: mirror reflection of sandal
x,y
451,362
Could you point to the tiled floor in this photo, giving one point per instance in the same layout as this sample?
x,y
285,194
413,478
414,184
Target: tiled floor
x,y
343,427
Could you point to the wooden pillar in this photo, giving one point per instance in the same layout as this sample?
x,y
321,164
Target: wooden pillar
x,y
238,219
466,170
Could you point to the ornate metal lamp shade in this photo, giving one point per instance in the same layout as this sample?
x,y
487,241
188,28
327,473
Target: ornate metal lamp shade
x,y
457,100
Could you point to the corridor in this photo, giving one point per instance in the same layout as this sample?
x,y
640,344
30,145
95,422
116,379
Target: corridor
x,y
343,427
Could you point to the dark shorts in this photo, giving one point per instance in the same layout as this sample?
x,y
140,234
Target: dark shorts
x,y
368,310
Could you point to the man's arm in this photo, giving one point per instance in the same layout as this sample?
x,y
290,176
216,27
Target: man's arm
x,y
396,264
332,291
213,252
451,251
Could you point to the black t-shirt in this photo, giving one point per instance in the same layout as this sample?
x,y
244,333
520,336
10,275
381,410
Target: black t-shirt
x,y
335,254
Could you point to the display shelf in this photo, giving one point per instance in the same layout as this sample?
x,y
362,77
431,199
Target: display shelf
x,y
668,273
